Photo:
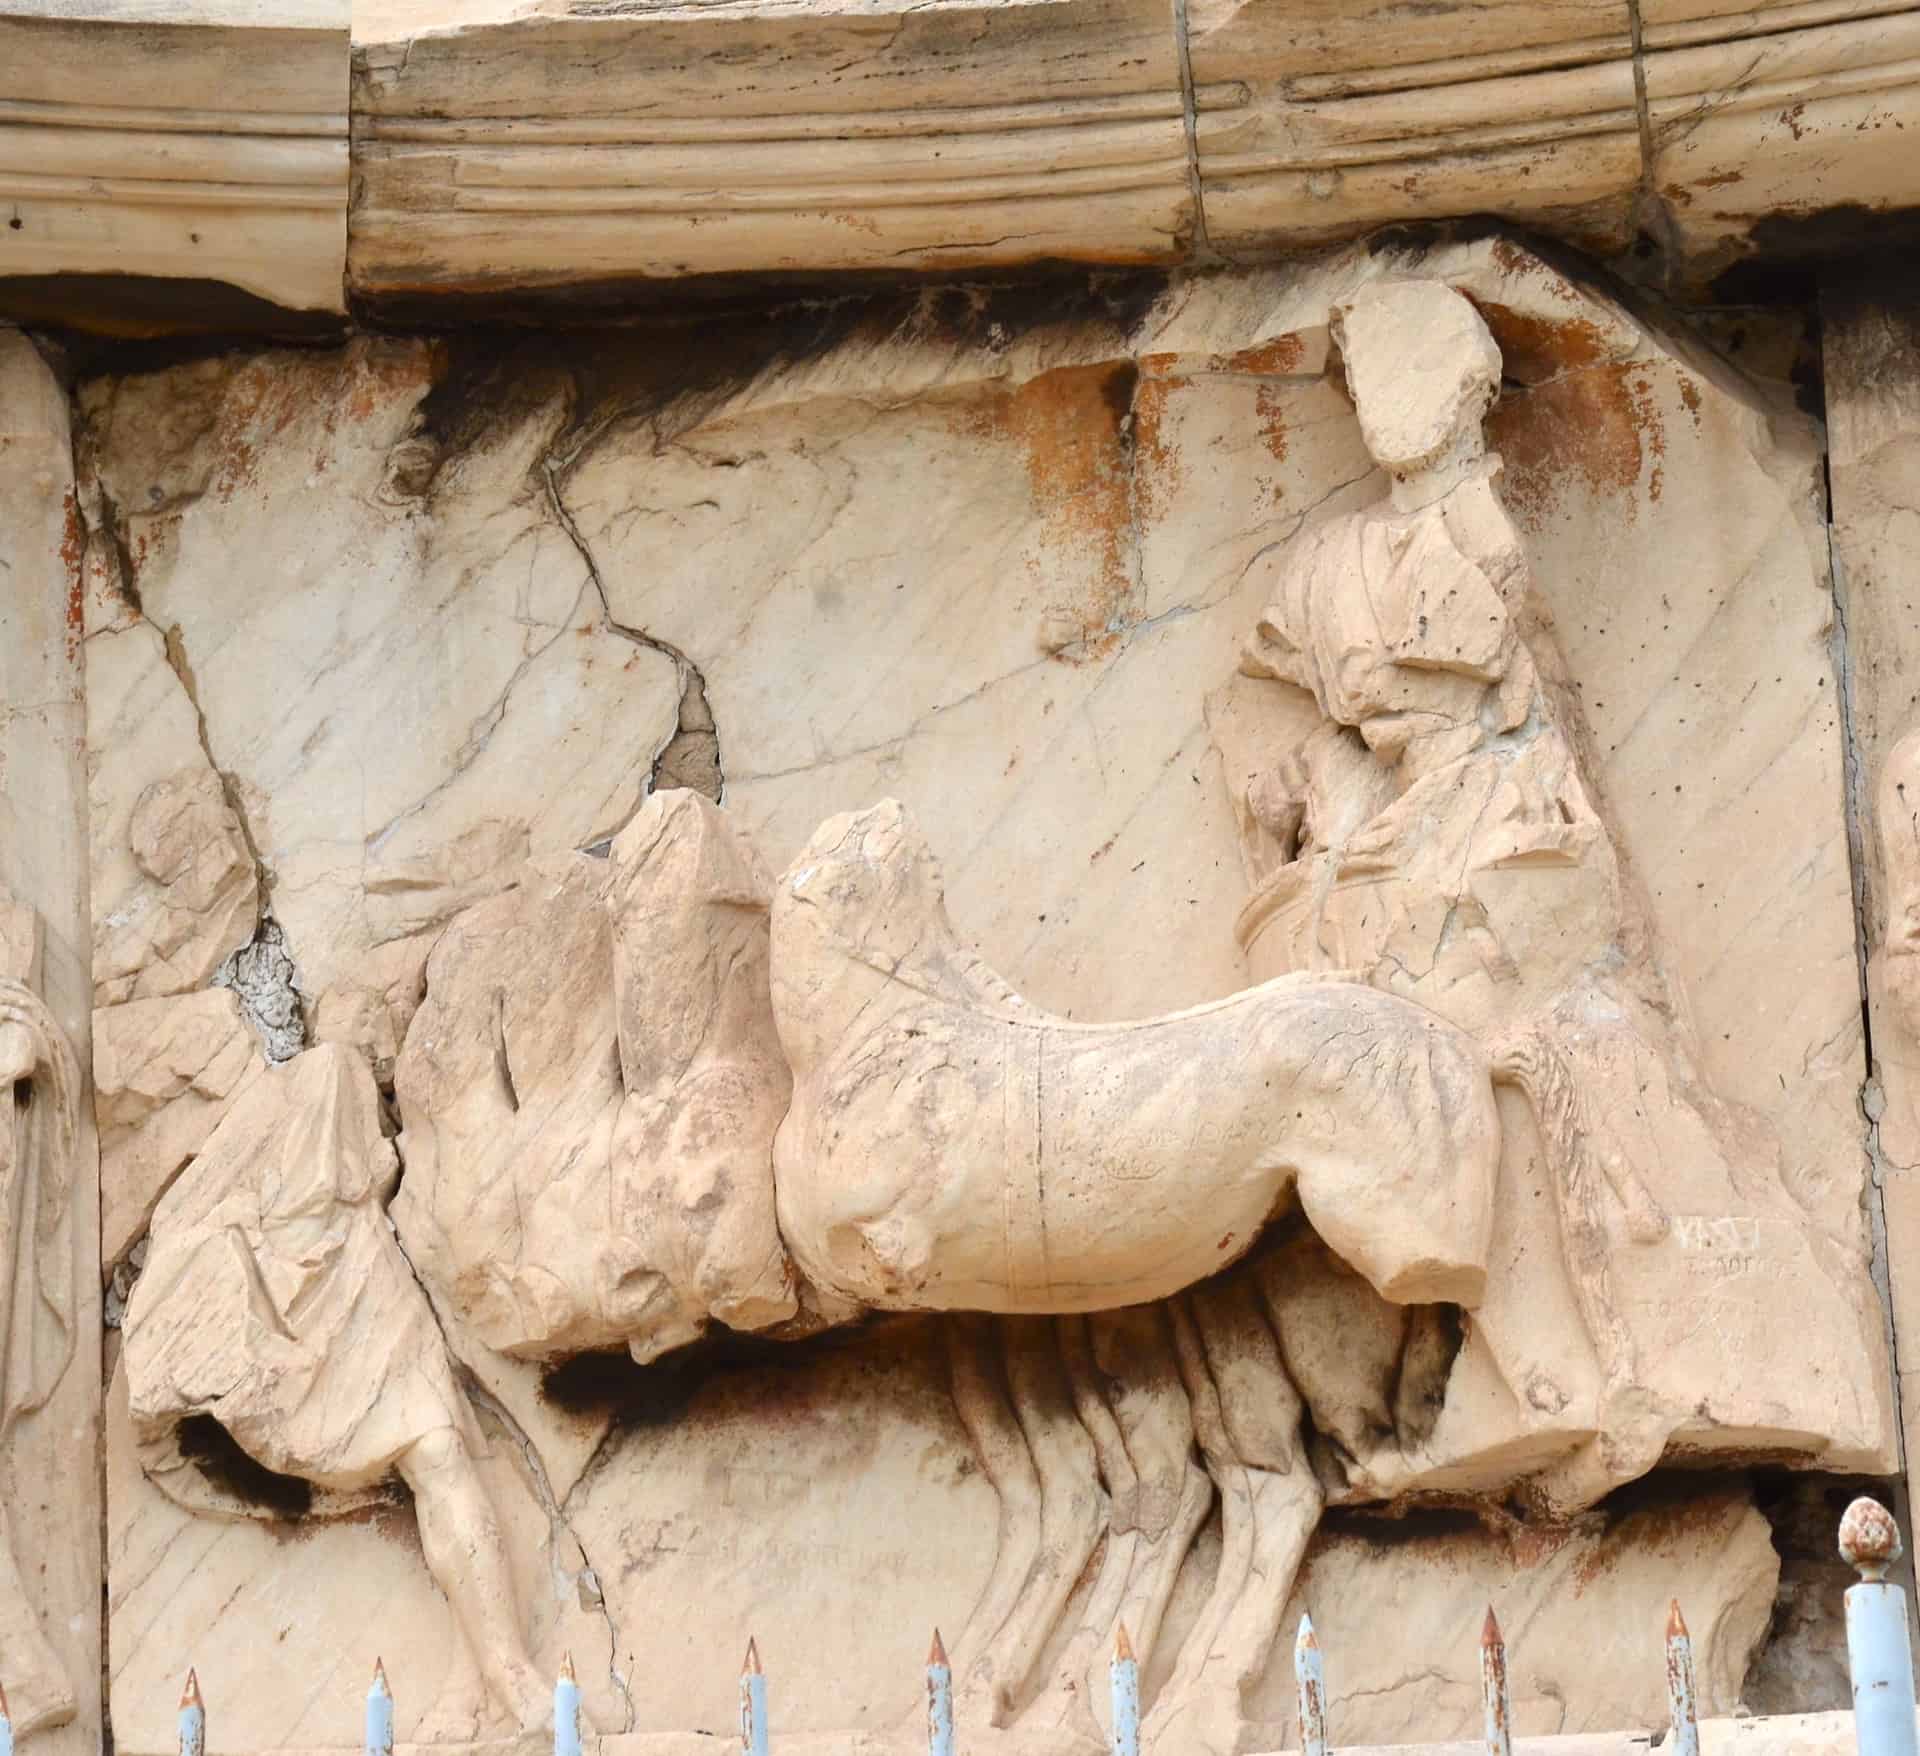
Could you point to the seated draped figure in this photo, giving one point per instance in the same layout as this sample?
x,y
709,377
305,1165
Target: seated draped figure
x,y
1303,1236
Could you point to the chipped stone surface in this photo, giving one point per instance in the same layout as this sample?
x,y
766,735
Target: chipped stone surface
x,y
164,1072
435,616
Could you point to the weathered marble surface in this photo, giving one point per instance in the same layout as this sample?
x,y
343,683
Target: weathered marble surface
x,y
986,555
526,146
203,140
50,1411
1872,352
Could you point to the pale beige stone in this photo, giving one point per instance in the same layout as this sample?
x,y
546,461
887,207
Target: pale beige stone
x,y
950,1147
1770,114
50,1410
1021,649
164,1072
187,896
190,139
276,1302
1445,843
495,146
465,697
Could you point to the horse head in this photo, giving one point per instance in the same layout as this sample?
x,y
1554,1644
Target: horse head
x,y
705,1081
860,909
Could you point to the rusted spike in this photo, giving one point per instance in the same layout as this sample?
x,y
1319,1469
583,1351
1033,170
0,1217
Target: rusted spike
x,y
1497,1711
378,1740
1878,1650
939,1700
753,1704
193,1719
1124,1679
566,1710
1311,1684
1682,1711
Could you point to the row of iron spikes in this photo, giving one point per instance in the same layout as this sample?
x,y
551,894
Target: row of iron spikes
x,y
1869,1541
1124,1680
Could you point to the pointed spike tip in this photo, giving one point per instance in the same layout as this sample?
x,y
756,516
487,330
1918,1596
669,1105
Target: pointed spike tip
x,y
1676,1623
380,1675
752,1667
1306,1639
937,1652
566,1669
1122,1646
190,1695
1490,1630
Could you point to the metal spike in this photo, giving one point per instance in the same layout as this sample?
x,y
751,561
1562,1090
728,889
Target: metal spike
x,y
753,1704
1682,1708
1311,1685
1123,1676
567,1729
939,1700
193,1719
1496,1704
378,1738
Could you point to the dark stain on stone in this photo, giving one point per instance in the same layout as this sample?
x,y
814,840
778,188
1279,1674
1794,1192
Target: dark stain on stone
x,y
212,1450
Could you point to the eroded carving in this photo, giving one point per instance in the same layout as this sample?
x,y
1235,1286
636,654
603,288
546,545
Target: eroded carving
x,y
275,1302
40,1147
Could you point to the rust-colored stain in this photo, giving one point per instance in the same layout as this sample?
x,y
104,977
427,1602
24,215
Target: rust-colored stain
x,y
1270,410
1074,431
1157,467
1279,354
73,548
1598,425
1535,348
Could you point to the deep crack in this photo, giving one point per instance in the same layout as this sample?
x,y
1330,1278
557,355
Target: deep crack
x,y
690,757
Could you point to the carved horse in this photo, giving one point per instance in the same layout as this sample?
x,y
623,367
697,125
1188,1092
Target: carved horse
x,y
951,1148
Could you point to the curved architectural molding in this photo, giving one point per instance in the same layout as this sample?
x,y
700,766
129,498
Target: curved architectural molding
x,y
518,145
178,139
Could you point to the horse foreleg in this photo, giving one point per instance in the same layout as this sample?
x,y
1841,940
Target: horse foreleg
x,y
1073,1510
1001,1448
1246,1416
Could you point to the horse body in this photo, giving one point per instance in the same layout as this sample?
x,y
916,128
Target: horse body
x,y
950,1148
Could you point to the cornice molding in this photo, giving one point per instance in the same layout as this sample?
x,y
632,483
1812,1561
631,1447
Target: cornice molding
x,y
508,146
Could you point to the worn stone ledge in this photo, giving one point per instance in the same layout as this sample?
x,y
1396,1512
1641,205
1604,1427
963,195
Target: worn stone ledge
x,y
502,146
196,141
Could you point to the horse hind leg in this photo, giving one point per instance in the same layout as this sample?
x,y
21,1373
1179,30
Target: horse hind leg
x,y
1000,1446
1134,1352
1073,1510
1246,1416
1065,1702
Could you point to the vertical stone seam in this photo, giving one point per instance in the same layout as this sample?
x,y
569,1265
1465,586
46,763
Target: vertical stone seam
x,y
1203,253
1650,213
1854,803
70,390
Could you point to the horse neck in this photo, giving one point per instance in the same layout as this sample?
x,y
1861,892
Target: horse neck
x,y
847,988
